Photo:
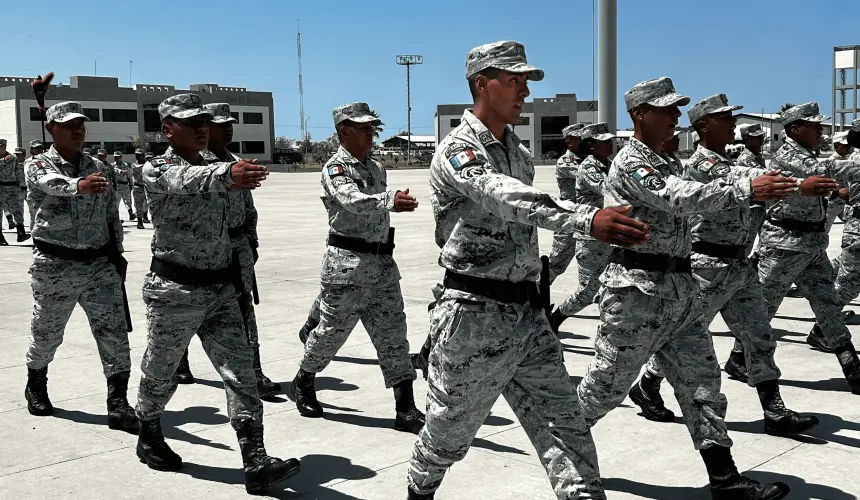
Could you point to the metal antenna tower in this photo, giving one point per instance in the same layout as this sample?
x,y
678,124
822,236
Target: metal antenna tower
x,y
409,61
301,86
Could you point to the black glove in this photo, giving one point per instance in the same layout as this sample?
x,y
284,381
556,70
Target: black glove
x,y
853,139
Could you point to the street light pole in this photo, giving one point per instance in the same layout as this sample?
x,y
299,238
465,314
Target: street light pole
x,y
305,142
607,58
409,61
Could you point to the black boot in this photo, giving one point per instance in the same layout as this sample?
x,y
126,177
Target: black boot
x,y
265,387
22,235
11,223
305,395
847,314
183,372
3,242
817,341
419,496
736,367
36,393
646,395
261,470
409,418
120,414
140,224
421,361
145,218
728,484
850,363
307,328
131,215
556,319
779,420
153,451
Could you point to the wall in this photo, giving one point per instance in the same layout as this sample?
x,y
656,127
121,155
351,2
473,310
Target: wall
x,y
9,124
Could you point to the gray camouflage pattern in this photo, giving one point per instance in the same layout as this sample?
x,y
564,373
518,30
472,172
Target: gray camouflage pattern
x,y
182,106
65,111
572,130
658,92
717,103
141,207
10,187
806,112
124,182
507,56
358,112
564,244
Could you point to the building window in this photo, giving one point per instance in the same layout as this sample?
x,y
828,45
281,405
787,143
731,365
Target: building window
x,y
126,148
455,122
120,115
527,144
553,125
92,114
253,147
524,120
151,121
252,118
235,115
35,115
776,137
234,147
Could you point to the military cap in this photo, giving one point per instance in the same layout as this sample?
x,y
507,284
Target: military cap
x,y
138,151
751,130
65,111
36,143
20,151
117,153
572,130
358,112
659,92
507,56
149,156
88,151
220,112
598,131
3,142
102,151
855,125
807,112
840,137
182,106
711,105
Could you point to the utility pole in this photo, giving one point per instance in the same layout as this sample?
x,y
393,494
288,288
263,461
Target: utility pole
x,y
409,61
304,131
607,63
129,74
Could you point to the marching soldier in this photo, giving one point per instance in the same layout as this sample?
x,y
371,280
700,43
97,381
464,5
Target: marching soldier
x,y
140,203
124,179
189,291
76,260
10,192
36,148
753,137
564,245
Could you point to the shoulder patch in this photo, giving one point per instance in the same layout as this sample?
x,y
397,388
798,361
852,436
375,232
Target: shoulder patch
x,y
465,158
38,164
642,172
486,137
160,161
720,170
335,170
453,149
472,172
593,174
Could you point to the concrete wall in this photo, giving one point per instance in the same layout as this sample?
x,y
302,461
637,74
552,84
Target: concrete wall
x,y
9,124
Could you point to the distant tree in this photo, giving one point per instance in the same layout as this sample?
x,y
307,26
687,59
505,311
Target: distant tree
x,y
377,130
283,142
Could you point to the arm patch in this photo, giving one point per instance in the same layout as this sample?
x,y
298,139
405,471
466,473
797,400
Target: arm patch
x,y
465,158
335,170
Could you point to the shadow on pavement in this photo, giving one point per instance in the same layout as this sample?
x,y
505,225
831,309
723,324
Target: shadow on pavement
x,y
497,421
828,384
653,491
357,361
823,434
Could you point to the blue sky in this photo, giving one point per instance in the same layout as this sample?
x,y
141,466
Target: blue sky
x,y
761,53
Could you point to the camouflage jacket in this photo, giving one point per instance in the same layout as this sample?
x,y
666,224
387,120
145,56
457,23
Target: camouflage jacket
x,y
21,174
8,168
189,211
675,165
65,216
123,172
802,162
851,230
748,159
242,212
590,177
565,175
486,210
733,226
137,174
641,178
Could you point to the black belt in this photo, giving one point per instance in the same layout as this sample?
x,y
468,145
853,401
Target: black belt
x,y
660,263
799,225
82,254
855,212
120,182
235,232
737,252
188,276
362,246
13,183
509,292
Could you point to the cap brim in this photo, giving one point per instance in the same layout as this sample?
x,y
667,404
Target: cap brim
x,y
669,100
361,119
725,109
604,137
816,118
69,117
757,133
221,119
191,113
534,74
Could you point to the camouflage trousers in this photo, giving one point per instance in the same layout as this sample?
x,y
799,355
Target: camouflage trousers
x,y
563,252
174,314
635,326
592,257
736,293
141,207
59,284
31,207
314,313
847,268
379,306
10,202
835,208
812,273
484,349
242,252
124,191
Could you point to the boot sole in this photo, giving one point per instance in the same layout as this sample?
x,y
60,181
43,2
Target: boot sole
x,y
185,381
781,433
120,427
161,468
735,376
261,487
647,413
818,346
403,428
37,413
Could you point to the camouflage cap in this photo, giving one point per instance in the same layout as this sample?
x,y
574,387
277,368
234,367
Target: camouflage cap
x,y
88,151
751,130
840,137
220,112
807,112
138,151
358,112
572,130
102,151
659,92
65,111
149,156
598,131
182,106
20,151
711,105
506,56
36,143
117,153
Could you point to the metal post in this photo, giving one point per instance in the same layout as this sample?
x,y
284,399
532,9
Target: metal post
x,y
408,115
853,77
607,79
834,86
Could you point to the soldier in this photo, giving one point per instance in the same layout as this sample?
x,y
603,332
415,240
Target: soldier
x,y
490,332
21,156
360,279
76,260
647,302
10,192
591,255
753,137
242,229
670,153
793,240
140,203
88,151
728,280
564,245
36,148
189,291
124,179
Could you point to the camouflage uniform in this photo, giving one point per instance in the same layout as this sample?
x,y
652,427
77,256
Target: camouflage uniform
x,y
847,265
748,159
486,216
124,180
189,209
10,187
141,206
357,285
68,221
25,192
564,245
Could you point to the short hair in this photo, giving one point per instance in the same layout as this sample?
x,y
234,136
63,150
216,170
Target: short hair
x,y
490,73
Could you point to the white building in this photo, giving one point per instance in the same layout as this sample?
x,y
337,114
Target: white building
x,y
120,114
